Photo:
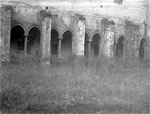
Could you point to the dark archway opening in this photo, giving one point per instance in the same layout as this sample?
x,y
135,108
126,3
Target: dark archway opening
x,y
17,40
95,45
54,42
120,47
86,44
33,42
141,49
67,44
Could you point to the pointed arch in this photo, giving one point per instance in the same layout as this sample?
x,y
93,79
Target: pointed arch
x,y
70,30
17,39
141,48
54,41
120,46
67,43
86,41
33,41
37,26
96,39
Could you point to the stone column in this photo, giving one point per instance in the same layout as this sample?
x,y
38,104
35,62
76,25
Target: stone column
x,y
5,32
59,47
80,35
46,36
0,58
109,41
147,54
25,44
100,49
89,48
124,52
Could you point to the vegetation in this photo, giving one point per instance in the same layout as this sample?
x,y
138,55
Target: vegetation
x,y
98,86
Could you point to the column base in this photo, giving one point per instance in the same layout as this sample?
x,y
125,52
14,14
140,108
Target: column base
x,y
46,60
5,58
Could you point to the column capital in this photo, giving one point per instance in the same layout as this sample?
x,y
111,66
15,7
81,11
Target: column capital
x,y
60,38
7,7
45,13
80,17
89,40
26,35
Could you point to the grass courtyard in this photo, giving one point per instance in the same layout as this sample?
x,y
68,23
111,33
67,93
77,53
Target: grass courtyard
x,y
75,87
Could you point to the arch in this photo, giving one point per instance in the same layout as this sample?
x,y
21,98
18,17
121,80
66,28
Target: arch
x,y
96,32
17,39
141,48
120,35
54,41
67,44
86,40
88,33
120,46
96,38
33,41
53,27
21,25
28,30
68,29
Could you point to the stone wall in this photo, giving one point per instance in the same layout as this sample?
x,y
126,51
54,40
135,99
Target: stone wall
x,y
108,19
5,27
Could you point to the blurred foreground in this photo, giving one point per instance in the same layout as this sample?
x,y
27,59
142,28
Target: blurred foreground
x,y
75,87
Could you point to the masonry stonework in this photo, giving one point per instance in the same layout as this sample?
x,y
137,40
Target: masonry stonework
x,y
102,20
46,37
5,32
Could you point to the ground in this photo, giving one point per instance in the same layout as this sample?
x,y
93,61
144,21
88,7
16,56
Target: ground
x,y
75,87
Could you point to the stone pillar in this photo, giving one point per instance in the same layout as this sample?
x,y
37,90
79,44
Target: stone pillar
x,y
109,43
80,35
109,40
25,44
124,52
5,32
0,58
100,49
147,54
46,37
59,47
89,48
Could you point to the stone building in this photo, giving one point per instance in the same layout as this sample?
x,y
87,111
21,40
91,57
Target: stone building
x,y
62,28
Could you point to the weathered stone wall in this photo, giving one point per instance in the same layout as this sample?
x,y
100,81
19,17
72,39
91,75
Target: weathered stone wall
x,y
79,35
126,20
147,48
46,38
5,15
22,14
133,38
133,9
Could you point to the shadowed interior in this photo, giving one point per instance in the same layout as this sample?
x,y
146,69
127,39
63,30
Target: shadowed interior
x,y
33,44
141,49
86,44
120,47
17,39
95,45
67,44
54,42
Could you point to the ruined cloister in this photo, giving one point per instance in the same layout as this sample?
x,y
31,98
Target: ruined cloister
x,y
46,33
75,56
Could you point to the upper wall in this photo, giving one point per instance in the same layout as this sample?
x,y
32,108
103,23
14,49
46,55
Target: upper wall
x,y
93,11
25,14
132,9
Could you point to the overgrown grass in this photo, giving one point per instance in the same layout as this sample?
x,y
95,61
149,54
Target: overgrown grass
x,y
76,86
